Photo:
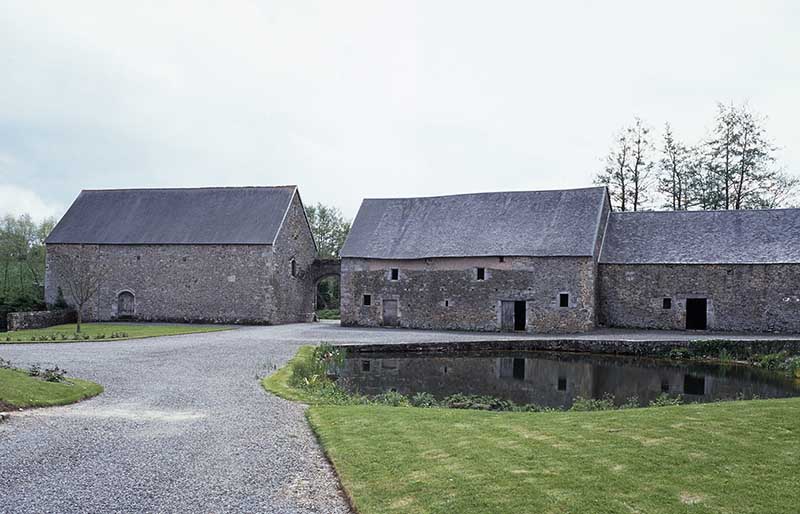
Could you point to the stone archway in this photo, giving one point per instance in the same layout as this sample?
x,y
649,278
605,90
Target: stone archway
x,y
326,276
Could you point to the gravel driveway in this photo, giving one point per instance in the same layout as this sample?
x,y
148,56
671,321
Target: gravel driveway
x,y
183,425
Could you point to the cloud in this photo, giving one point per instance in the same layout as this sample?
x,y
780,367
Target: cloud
x,y
15,200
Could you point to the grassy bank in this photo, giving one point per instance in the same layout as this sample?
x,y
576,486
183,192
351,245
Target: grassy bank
x,y
19,390
724,457
103,332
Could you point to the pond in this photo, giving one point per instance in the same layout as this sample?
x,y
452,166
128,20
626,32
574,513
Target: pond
x,y
555,379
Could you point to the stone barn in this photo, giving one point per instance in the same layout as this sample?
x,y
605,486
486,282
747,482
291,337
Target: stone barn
x,y
717,270
218,255
489,261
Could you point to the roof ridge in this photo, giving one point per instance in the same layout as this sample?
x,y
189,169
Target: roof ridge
x,y
287,186
481,193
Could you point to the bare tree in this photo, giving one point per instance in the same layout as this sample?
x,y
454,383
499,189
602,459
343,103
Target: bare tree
x,y
615,173
80,272
675,172
641,165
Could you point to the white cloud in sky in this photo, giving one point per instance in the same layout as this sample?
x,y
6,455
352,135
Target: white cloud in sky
x,y
364,99
15,200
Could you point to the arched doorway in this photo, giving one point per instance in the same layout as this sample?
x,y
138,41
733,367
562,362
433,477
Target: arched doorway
x,y
327,297
126,305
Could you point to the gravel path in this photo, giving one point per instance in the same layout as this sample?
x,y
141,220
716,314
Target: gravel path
x,y
184,425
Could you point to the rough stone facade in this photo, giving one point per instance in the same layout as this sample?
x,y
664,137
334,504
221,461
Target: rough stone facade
x,y
740,297
39,319
210,283
445,293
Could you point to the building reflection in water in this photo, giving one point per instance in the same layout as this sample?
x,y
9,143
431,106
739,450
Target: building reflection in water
x,y
555,379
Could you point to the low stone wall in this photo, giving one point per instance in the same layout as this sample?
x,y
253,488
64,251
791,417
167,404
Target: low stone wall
x,y
39,319
736,348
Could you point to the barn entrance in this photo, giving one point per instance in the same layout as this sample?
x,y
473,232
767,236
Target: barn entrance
x,y
391,317
513,316
696,313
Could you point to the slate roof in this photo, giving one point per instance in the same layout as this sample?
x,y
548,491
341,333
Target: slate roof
x,y
216,215
532,223
703,237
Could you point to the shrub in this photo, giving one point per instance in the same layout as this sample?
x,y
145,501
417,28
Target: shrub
x,y
679,353
424,400
772,361
55,374
590,404
478,402
4,364
35,370
665,400
391,398
328,314
315,369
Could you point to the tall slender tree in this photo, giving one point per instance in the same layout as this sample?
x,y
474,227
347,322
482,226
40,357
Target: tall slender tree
x,y
614,174
640,167
674,178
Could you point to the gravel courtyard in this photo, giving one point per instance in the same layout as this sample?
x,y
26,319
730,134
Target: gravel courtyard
x,y
183,425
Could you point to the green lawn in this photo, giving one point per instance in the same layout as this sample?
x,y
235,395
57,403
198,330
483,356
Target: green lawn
x,y
731,457
94,330
19,390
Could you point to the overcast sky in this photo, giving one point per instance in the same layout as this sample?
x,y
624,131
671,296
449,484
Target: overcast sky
x,y
369,99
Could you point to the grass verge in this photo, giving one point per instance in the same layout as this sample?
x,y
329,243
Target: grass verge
x,y
103,332
728,457
18,390
278,382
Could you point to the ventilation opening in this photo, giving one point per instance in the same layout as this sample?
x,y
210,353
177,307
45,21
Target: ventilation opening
x,y
666,303
395,274
519,316
563,300
365,366
294,267
696,313
694,385
367,300
562,383
518,370
481,273
447,303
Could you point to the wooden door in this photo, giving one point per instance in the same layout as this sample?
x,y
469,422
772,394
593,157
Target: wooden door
x,y
391,317
507,316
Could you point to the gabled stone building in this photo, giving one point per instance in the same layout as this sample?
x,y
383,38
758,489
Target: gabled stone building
x,y
718,270
561,261
223,255
489,261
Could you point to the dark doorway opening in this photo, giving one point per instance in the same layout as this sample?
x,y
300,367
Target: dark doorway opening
x,y
518,370
327,298
519,316
696,313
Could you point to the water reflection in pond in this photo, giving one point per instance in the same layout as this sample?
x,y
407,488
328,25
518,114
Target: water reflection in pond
x,y
555,379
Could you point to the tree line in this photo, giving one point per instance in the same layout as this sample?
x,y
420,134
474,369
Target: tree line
x,y
733,167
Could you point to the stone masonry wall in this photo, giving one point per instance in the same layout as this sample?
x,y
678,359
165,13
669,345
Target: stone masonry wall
x,y
192,283
750,298
293,295
39,319
445,293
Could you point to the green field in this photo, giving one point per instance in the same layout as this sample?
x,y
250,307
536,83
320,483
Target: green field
x,y
18,390
64,333
731,457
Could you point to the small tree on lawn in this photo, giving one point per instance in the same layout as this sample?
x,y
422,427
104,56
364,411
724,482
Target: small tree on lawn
x,y
80,273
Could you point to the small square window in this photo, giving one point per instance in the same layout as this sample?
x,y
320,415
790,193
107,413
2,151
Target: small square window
x,y
367,299
502,259
481,273
666,303
395,274
563,300
562,383
365,365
